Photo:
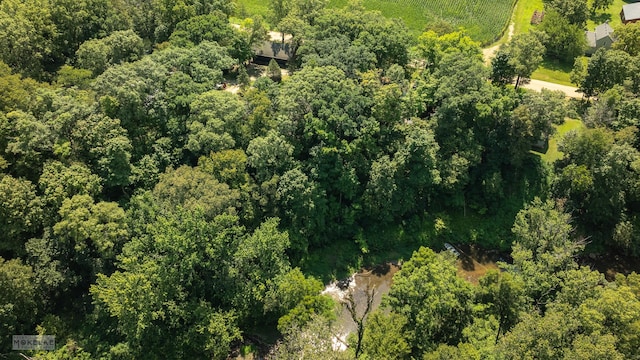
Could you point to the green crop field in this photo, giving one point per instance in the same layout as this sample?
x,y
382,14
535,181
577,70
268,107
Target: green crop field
x,y
484,20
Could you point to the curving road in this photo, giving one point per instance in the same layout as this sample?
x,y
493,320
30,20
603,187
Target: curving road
x,y
490,52
538,85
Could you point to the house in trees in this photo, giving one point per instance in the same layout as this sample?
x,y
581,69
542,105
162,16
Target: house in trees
x,y
542,144
630,13
267,50
602,37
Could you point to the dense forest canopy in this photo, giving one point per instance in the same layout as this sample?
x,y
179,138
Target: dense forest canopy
x,y
147,213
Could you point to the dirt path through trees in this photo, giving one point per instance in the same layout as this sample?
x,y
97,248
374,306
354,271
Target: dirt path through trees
x,y
489,53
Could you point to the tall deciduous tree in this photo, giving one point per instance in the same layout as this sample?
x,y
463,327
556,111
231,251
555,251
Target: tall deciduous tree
x,y
328,130
385,336
416,169
543,248
601,5
502,70
27,143
15,91
432,47
59,181
106,146
301,206
91,229
27,35
269,156
434,300
575,11
120,46
228,166
20,213
628,38
504,296
210,27
215,123
604,75
18,305
289,290
258,260
598,178
540,336
565,40
340,52
279,9
525,53
81,20
173,283
193,189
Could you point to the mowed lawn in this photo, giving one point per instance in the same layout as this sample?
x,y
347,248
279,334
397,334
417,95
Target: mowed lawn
x,y
522,15
612,15
553,153
484,20
555,72
525,9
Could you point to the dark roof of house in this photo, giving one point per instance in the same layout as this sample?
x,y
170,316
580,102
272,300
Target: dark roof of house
x,y
631,11
602,31
274,50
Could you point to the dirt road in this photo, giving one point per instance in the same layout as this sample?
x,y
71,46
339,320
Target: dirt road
x,y
538,85
489,53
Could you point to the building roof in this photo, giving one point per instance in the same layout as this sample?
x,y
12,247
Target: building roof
x,y
591,38
631,11
274,50
602,31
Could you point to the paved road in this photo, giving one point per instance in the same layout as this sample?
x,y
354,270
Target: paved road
x,y
538,85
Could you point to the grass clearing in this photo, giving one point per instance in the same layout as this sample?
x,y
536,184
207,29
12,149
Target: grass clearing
x,y
248,8
484,20
553,153
522,14
550,70
525,8
554,71
612,15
